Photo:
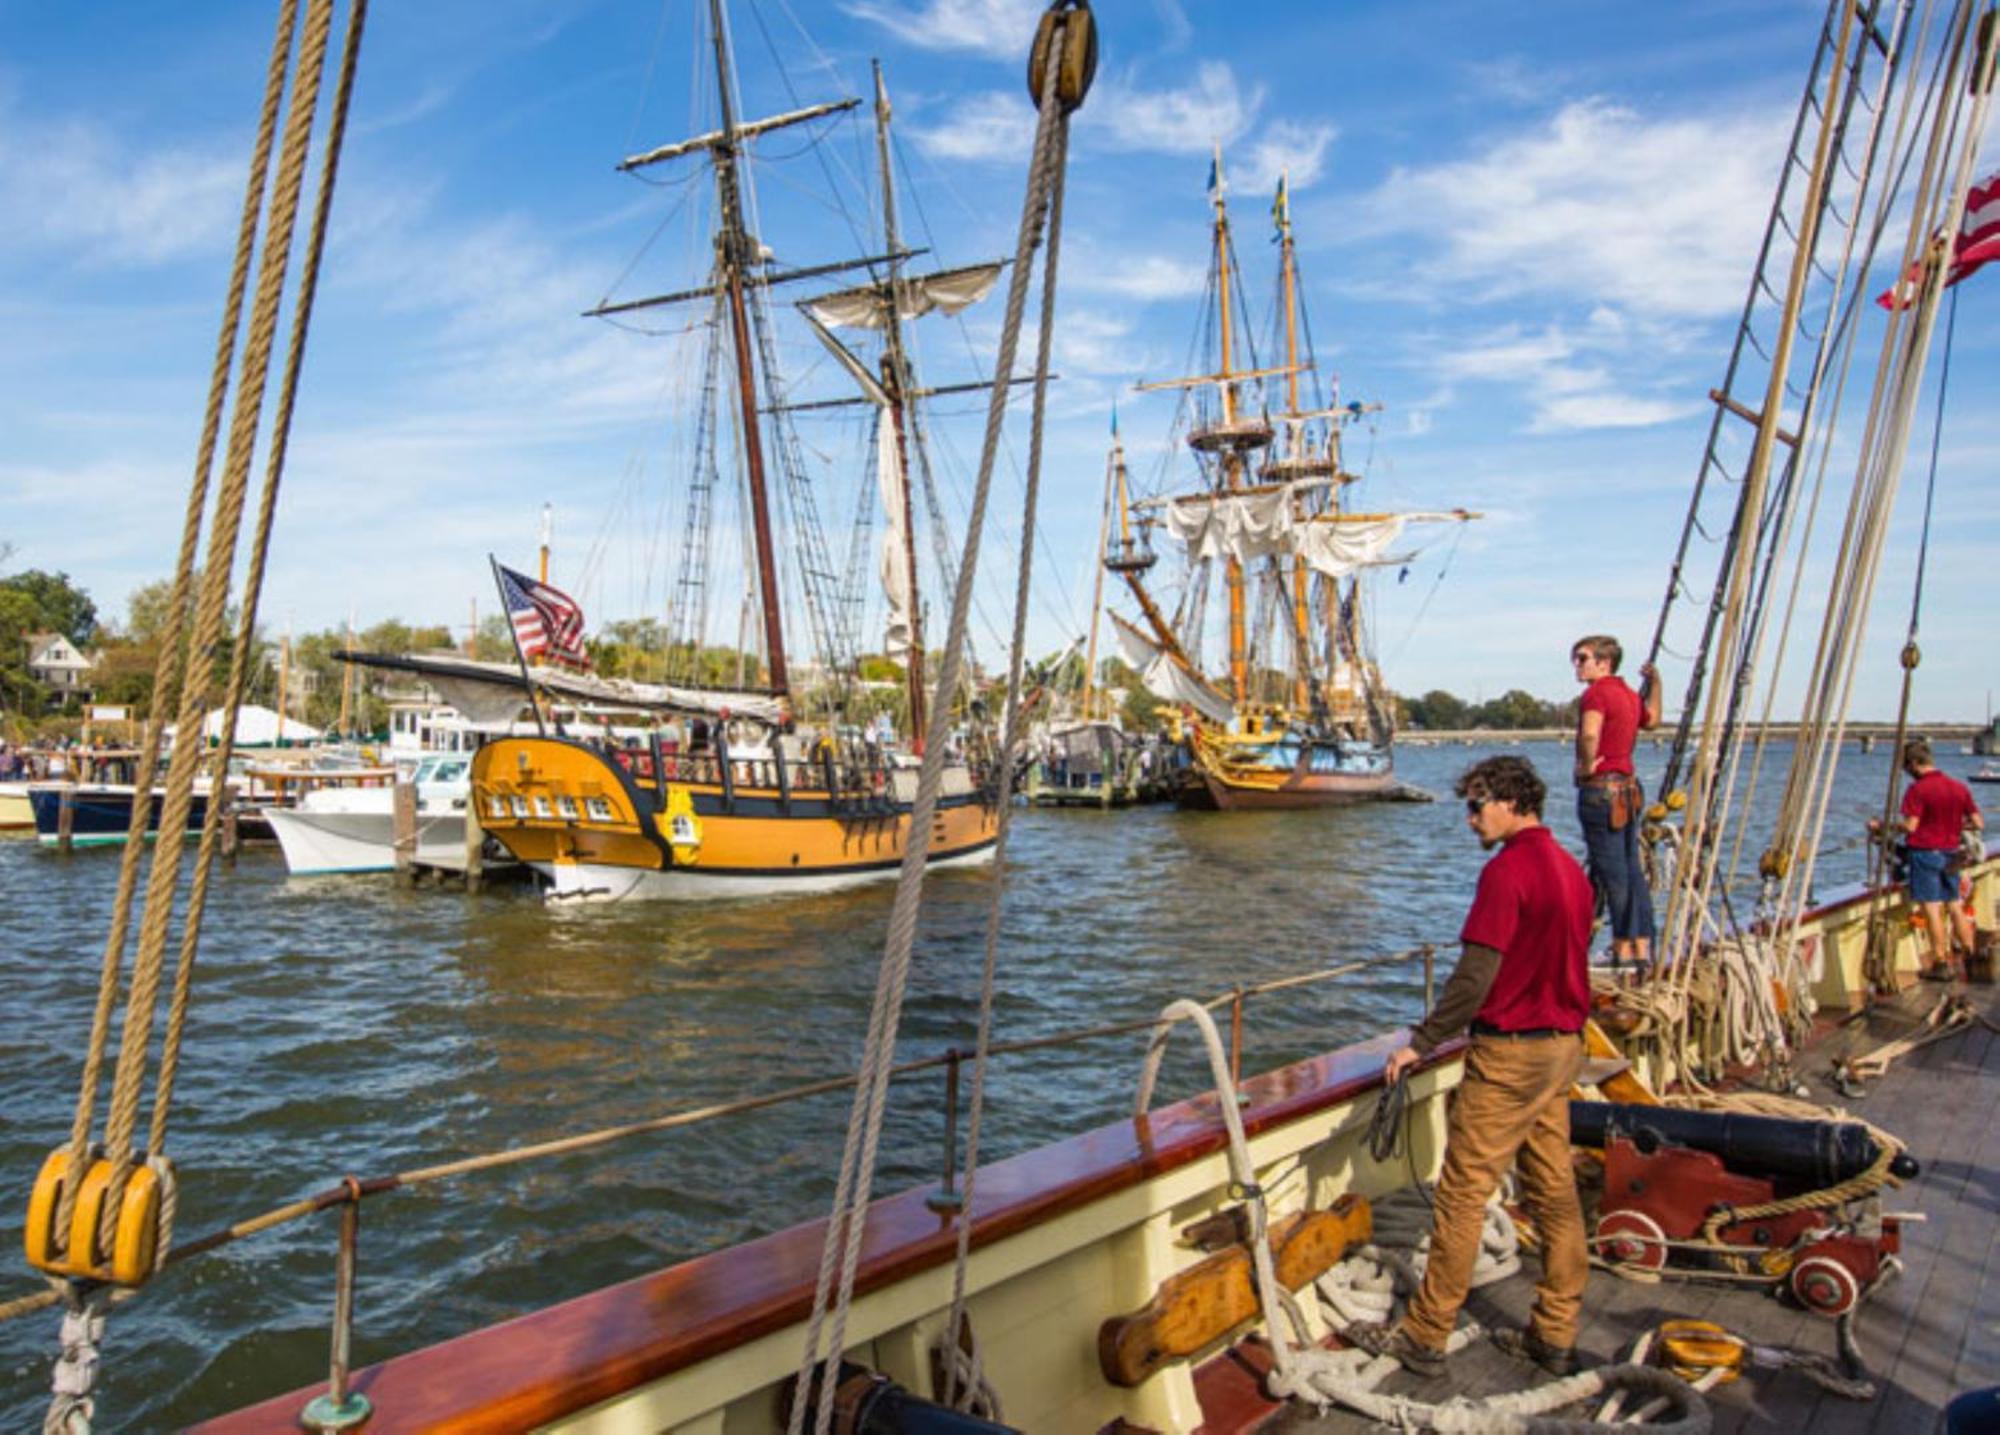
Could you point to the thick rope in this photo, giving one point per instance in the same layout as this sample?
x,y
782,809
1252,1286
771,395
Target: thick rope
x,y
1017,657
149,958
253,587
167,670
831,1299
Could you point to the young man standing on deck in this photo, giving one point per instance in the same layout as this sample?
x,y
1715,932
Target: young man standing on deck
x,y
1608,797
1523,985
1937,810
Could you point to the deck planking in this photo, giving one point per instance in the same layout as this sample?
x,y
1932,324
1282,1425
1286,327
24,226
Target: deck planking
x,y
1927,1336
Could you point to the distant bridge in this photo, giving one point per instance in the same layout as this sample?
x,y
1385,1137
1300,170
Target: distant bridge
x,y
1948,736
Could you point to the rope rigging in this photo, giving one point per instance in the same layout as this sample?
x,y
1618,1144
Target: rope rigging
x,y
1066,51
106,1210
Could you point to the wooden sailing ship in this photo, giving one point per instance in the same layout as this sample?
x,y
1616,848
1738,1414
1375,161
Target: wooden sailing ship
x,y
756,797
1299,716
1128,1277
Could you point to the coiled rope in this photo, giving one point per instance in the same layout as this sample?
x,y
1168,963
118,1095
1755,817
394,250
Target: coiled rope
x,y
840,1256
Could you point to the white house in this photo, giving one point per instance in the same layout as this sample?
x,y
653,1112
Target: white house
x,y
55,663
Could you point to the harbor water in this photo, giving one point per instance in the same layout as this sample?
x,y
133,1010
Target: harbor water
x,y
343,1025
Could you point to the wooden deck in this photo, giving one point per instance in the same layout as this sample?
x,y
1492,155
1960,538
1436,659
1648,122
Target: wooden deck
x,y
1928,1335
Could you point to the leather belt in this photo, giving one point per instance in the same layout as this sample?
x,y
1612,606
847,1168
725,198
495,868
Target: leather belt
x,y
1533,1033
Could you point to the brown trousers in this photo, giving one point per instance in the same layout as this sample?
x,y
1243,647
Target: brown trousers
x,y
1513,1101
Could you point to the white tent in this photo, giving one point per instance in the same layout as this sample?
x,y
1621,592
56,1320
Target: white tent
x,y
259,727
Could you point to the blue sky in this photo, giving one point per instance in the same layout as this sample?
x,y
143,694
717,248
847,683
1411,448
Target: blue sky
x,y
1526,231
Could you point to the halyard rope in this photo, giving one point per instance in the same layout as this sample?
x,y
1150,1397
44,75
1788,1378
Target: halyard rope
x,y
833,1293
975,1386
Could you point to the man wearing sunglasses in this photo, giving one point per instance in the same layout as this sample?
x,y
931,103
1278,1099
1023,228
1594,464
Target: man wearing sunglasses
x,y
1610,717
1523,985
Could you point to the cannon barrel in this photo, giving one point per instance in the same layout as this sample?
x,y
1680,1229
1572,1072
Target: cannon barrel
x,y
1820,1153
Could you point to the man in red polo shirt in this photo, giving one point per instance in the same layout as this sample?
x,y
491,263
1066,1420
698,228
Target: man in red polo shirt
x,y
1523,985
1937,810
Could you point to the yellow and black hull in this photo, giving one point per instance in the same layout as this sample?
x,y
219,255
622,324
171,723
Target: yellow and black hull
x,y
633,823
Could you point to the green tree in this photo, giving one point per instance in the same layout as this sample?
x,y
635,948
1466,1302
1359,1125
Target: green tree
x,y
61,606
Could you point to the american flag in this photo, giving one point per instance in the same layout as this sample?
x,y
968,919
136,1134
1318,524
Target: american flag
x,y
1978,242
545,619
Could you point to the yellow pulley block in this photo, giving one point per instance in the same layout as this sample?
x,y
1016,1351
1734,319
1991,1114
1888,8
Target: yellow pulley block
x,y
1676,800
1656,812
1774,864
682,824
1070,24
1692,1348
78,1253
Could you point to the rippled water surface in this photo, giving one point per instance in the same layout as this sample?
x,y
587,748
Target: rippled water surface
x,y
342,1025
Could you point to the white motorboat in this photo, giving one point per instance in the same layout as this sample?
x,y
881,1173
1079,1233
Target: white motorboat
x,y
350,826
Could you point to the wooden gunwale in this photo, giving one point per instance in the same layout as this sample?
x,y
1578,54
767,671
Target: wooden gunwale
x,y
568,1357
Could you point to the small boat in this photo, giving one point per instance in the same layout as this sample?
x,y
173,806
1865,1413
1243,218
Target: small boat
x,y
17,814
1988,772
345,821
99,814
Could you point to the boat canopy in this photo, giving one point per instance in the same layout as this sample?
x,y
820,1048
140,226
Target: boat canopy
x,y
491,694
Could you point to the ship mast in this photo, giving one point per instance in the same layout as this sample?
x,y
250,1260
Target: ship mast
x,y
734,253
1114,492
896,383
1232,461
1288,277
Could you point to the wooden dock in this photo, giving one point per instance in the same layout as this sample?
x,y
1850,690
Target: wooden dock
x,y
1928,1335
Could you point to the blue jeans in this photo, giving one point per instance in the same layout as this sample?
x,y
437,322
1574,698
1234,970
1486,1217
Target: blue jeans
x,y
1615,869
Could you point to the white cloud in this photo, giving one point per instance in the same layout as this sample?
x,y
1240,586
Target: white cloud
x,y
1566,378
1657,217
74,188
1215,109
1286,147
997,125
1136,276
999,28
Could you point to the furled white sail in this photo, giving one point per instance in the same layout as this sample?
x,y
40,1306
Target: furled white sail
x,y
1166,678
492,694
1338,546
1337,550
949,290
895,566
1245,526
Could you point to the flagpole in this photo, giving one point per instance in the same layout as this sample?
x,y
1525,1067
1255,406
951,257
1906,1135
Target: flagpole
x,y
507,612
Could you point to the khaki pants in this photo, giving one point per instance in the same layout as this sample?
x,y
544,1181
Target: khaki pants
x,y
1513,1101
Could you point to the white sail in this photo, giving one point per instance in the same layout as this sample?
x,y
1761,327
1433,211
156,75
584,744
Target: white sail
x,y
1243,526
1337,550
895,566
1166,678
949,291
1338,546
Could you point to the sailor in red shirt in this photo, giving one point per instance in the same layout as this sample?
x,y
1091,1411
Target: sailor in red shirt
x,y
1523,985
1937,811
1608,797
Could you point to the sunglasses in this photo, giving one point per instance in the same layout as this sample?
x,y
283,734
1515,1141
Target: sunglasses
x,y
1475,805
1577,658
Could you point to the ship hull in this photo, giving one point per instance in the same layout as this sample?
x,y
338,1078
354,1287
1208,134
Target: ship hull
x,y
1234,774
634,825
1064,1237
1217,793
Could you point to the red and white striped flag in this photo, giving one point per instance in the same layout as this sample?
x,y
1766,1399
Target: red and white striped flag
x,y
1978,243
545,619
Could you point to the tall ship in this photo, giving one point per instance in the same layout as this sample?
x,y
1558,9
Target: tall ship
x,y
773,786
1294,712
1197,1264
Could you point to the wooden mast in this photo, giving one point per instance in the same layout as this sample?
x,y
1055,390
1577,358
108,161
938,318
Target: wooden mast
x,y
1232,461
896,382
1288,278
734,253
1114,490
